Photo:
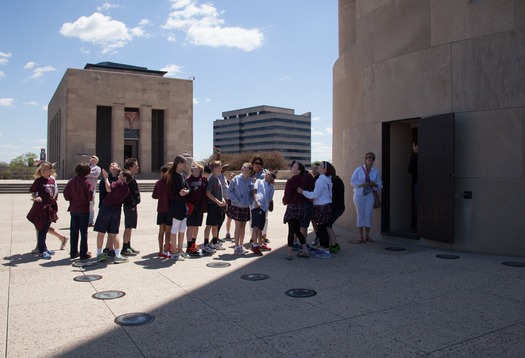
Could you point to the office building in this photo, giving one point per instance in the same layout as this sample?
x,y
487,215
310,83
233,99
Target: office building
x,y
265,128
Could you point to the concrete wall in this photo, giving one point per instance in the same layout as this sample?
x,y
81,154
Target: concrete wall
x,y
416,58
87,89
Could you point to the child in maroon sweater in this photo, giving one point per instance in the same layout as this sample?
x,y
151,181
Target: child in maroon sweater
x,y
79,192
108,219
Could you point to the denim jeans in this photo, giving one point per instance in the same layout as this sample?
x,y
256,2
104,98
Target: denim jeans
x,y
79,223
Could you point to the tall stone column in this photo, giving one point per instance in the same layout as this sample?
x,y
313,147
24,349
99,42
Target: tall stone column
x,y
117,133
145,139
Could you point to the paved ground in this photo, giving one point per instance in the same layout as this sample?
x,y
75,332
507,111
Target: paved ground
x,y
370,302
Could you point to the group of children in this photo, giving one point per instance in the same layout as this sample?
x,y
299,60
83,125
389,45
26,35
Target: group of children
x,y
183,200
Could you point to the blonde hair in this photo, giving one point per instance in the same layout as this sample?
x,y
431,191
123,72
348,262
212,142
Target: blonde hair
x,y
38,174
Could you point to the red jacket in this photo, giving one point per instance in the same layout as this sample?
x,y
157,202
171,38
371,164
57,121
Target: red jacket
x,y
79,192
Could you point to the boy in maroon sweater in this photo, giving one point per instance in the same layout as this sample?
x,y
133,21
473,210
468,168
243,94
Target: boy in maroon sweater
x,y
79,193
108,219
164,219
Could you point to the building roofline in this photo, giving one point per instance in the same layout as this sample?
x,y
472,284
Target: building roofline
x,y
265,108
122,67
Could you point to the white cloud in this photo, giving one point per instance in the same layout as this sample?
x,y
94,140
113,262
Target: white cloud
x,y
143,22
204,27
4,57
171,38
317,133
44,108
40,71
172,70
32,103
328,130
101,30
2,74
321,151
85,50
107,6
30,65
6,102
316,119
195,101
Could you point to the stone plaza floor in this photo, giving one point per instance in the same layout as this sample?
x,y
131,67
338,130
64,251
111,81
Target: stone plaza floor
x,y
370,302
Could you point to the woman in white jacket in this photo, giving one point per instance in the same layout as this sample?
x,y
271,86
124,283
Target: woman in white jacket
x,y
322,197
365,179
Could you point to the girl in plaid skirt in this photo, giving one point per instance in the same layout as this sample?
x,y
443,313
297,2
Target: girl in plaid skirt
x,y
322,196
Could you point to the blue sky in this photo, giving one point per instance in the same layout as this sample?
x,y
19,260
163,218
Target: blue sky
x,y
242,53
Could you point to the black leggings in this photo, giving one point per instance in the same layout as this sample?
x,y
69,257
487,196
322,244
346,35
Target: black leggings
x,y
294,228
324,239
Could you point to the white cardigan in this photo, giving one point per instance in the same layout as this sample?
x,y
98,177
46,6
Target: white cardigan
x,y
359,178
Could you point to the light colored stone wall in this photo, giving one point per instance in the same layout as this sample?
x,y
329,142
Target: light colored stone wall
x,y
87,89
417,58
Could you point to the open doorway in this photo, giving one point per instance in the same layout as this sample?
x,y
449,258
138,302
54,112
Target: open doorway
x,y
399,215
431,216
131,149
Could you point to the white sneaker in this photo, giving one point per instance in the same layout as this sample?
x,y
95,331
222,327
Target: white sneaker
x,y
208,249
239,250
217,246
177,257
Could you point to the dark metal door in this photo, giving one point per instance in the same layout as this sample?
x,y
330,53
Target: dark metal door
x,y
436,164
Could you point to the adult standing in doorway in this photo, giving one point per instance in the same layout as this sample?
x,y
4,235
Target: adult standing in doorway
x,y
93,178
365,179
130,207
412,170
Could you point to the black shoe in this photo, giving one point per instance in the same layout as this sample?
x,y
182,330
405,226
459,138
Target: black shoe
x,y
74,256
110,253
85,257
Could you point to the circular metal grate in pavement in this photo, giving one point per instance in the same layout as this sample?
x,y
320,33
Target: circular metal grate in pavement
x,y
134,319
108,295
87,278
300,293
218,264
513,263
447,256
255,277
395,248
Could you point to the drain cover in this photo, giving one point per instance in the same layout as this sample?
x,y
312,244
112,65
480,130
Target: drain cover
x,y
87,278
395,248
255,277
513,263
447,256
83,263
134,319
108,295
218,264
300,293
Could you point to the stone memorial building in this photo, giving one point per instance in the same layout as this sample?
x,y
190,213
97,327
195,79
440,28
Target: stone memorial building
x,y
119,111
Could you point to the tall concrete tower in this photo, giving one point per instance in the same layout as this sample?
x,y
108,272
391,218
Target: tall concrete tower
x,y
449,74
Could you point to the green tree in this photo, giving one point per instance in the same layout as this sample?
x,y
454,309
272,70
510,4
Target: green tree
x,y
23,160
